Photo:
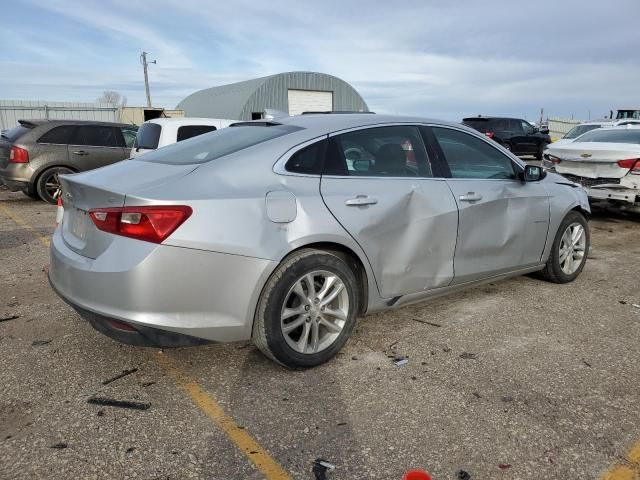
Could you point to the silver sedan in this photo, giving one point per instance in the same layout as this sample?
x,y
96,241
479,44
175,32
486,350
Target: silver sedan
x,y
286,231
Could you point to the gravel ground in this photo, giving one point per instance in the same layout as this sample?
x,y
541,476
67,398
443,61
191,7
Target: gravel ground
x,y
518,379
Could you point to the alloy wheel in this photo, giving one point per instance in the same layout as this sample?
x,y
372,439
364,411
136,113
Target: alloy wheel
x,y
314,312
572,248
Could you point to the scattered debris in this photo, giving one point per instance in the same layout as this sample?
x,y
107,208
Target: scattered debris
x,y
110,402
622,302
130,450
37,343
504,466
446,349
507,398
586,363
414,378
433,324
342,424
468,356
120,375
11,317
100,413
148,384
253,452
394,344
400,360
477,395
59,446
463,475
354,358
635,305
321,467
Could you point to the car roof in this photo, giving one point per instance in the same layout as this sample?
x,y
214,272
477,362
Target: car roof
x,y
187,121
330,123
43,121
480,117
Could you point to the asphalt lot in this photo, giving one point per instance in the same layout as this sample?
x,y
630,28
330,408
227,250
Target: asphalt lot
x,y
515,380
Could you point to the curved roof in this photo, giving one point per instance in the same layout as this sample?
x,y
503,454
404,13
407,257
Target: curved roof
x,y
239,100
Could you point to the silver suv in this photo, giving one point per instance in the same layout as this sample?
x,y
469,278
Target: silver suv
x,y
36,152
286,231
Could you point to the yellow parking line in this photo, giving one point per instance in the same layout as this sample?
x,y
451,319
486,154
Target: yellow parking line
x,y
266,464
629,471
16,218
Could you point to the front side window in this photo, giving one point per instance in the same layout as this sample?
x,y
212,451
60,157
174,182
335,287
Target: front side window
x,y
98,136
62,135
526,126
471,157
190,131
396,151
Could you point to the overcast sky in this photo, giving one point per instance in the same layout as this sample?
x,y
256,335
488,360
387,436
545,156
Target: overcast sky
x,y
429,58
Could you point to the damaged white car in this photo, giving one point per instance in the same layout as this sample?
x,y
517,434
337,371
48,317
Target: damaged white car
x,y
606,162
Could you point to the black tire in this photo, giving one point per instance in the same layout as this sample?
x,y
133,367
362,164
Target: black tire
x,y
552,271
267,330
540,150
47,180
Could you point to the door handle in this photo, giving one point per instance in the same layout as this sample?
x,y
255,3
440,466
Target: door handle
x,y
470,197
360,200
80,152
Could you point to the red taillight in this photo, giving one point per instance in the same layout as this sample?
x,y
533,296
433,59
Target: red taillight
x,y
490,135
632,164
18,155
151,224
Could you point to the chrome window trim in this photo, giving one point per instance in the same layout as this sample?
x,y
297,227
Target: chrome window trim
x,y
279,166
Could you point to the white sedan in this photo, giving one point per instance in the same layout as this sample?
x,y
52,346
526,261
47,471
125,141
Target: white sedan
x,y
606,162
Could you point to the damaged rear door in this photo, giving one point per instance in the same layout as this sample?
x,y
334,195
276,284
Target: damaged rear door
x,y
378,183
503,221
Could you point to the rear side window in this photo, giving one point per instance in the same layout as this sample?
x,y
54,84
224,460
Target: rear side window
x,y
98,136
58,135
481,125
129,135
396,151
148,136
307,160
218,144
189,131
470,157
15,133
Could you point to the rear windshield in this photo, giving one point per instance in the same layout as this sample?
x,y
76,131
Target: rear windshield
x,y
478,124
15,133
202,149
579,130
622,135
189,131
148,136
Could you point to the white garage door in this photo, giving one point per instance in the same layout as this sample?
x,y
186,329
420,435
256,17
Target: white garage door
x,y
309,101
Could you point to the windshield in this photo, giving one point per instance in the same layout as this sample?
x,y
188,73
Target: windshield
x,y
579,130
628,114
204,148
148,136
612,136
14,133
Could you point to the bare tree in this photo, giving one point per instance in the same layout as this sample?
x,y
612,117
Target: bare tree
x,y
113,98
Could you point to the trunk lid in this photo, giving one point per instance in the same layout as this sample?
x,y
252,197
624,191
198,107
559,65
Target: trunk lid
x,y
593,160
106,187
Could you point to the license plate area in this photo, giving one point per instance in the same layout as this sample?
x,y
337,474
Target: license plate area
x,y
78,224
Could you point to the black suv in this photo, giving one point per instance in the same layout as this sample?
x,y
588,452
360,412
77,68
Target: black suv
x,y
514,134
34,153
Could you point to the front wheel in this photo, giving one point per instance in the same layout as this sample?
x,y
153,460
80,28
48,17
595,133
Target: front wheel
x,y
569,250
307,309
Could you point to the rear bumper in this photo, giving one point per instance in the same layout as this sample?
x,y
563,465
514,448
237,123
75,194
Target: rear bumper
x,y
206,295
14,185
627,195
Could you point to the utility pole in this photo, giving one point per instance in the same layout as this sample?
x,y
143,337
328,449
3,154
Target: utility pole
x,y
143,60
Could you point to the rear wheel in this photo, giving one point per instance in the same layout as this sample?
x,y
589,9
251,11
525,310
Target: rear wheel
x,y
31,192
569,250
48,183
307,310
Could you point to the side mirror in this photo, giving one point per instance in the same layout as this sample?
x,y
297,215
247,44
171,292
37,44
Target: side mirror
x,y
544,131
533,173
